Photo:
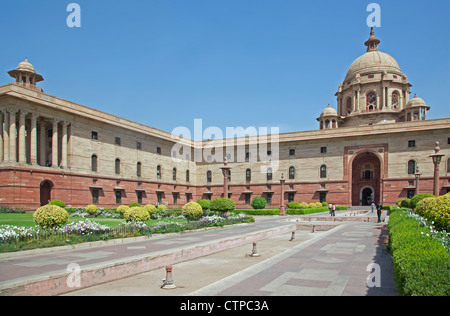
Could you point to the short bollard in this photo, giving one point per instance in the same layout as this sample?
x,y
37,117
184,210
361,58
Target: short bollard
x,y
313,229
167,283
292,237
254,251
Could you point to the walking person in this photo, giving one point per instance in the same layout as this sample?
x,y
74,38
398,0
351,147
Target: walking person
x,y
330,209
333,209
379,211
373,205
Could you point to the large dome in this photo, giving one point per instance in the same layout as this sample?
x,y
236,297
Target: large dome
x,y
373,62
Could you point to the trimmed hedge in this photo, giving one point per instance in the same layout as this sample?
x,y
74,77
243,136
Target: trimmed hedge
x,y
291,211
420,262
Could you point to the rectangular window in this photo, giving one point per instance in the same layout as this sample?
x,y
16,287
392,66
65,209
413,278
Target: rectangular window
x,y
323,197
269,198
159,197
175,198
94,135
323,150
188,197
139,197
118,196
247,199
291,197
291,152
138,146
117,141
158,150
95,196
411,143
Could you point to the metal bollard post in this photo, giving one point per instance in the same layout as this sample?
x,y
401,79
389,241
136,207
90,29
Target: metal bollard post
x,y
292,236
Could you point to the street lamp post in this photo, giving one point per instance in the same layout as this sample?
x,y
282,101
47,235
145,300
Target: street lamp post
x,y
282,206
437,157
226,173
417,175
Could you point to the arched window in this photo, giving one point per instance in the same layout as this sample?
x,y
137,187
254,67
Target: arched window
x,y
158,172
411,167
395,100
139,169
269,174
371,101
323,171
248,175
209,176
94,163
292,172
187,176
348,106
327,123
174,174
117,166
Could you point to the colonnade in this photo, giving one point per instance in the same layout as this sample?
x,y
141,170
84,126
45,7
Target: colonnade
x,y
19,143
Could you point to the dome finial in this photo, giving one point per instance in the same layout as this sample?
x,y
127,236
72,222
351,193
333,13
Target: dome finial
x,y
372,43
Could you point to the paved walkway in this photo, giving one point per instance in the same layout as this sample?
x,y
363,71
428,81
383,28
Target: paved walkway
x,y
332,262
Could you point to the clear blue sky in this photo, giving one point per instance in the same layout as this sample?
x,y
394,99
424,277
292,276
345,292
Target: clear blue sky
x,y
245,63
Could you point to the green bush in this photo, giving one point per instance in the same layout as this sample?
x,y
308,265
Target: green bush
x,y
50,216
419,197
91,209
406,203
223,205
58,203
266,212
205,204
192,211
420,262
259,203
150,208
303,205
295,205
136,214
135,204
162,207
121,209
436,210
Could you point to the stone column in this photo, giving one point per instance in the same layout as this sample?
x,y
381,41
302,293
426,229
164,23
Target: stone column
x,y
33,139
43,144
64,144
282,205
22,143
12,135
1,136
6,136
55,143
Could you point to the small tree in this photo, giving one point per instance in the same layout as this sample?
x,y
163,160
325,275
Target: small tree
x,y
223,205
205,204
259,203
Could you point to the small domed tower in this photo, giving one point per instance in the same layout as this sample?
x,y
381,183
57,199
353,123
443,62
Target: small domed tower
x,y
416,109
26,76
328,118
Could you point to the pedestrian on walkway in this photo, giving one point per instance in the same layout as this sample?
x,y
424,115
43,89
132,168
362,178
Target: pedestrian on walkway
x,y
330,209
373,205
333,209
379,211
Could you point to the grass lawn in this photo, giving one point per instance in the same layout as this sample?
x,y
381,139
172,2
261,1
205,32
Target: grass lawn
x,y
26,220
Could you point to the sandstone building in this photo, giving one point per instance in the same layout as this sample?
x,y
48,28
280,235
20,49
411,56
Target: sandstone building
x,y
369,148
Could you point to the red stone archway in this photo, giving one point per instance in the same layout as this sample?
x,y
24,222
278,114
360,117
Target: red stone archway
x,y
366,176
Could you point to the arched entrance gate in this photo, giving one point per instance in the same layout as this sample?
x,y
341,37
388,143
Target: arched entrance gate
x,y
366,179
45,192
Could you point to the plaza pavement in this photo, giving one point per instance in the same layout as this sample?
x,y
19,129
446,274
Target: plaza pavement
x,y
332,260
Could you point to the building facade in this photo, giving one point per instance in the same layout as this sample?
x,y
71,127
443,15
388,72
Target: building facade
x,y
369,148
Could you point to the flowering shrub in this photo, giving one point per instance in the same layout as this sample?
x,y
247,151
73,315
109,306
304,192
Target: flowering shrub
x,y
162,207
51,216
136,214
91,209
192,210
211,220
86,227
10,233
